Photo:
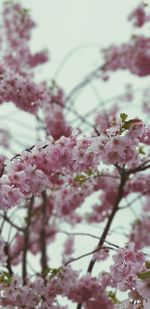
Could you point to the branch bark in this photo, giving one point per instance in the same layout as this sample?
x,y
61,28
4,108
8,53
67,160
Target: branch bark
x,y
43,235
123,179
26,241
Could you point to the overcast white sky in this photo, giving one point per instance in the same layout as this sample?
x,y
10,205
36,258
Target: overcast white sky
x,y
84,26
65,24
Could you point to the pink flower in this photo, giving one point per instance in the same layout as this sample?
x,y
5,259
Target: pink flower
x,y
143,288
138,16
119,149
102,302
127,264
133,56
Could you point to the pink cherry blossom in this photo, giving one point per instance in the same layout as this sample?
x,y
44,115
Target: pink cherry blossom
x,y
138,16
143,288
127,264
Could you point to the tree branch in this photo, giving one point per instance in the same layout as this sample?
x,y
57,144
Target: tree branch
x,y
43,235
109,221
26,241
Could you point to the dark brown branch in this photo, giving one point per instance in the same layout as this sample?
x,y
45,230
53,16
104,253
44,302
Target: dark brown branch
x,y
26,241
43,235
139,168
109,221
111,217
8,261
11,223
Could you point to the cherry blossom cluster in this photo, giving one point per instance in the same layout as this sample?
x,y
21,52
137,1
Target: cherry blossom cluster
x,y
139,16
18,26
54,118
17,84
119,145
127,264
130,271
45,187
66,282
17,62
133,55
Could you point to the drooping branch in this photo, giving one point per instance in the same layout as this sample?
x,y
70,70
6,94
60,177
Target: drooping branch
x,y
87,254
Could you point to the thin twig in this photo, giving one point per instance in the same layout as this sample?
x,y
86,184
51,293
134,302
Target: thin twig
x,y
86,234
87,254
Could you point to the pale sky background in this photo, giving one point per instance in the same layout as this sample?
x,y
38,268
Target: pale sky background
x,y
64,25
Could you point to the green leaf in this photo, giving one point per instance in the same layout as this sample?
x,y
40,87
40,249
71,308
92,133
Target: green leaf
x,y
113,297
80,179
5,278
144,275
46,271
89,172
126,125
147,264
52,272
123,117
141,150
